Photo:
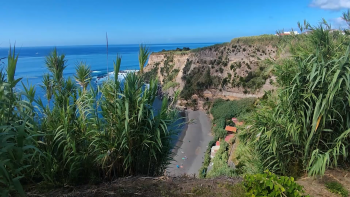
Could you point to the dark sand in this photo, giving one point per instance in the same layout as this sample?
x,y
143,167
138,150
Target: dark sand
x,y
192,144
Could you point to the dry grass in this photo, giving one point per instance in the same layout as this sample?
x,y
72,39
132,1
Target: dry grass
x,y
317,186
151,186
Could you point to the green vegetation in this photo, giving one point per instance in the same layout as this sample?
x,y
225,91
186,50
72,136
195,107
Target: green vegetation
x,y
152,74
254,79
187,67
214,47
304,126
220,167
168,65
337,188
80,134
262,40
269,184
197,81
223,110
169,73
170,84
203,170
184,49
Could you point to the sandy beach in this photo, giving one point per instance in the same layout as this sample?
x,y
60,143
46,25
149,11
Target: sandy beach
x,y
192,144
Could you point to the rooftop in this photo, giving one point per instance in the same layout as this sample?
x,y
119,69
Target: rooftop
x,y
231,129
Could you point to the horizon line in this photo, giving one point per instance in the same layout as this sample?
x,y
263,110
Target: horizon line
x,y
117,44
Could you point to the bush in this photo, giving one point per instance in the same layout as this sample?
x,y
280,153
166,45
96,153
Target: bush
x,y
229,76
337,188
203,170
222,109
269,184
187,67
307,121
220,166
197,81
232,66
152,74
170,84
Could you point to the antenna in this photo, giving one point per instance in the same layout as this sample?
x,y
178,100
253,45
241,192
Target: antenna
x,y
107,56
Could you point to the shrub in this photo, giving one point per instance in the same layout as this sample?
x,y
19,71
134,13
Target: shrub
x,y
307,121
203,170
248,66
170,84
197,81
187,67
152,74
232,66
220,166
269,184
337,188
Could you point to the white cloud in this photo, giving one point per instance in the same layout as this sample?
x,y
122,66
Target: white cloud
x,y
338,23
331,4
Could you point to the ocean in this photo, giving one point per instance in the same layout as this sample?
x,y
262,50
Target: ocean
x,y
31,61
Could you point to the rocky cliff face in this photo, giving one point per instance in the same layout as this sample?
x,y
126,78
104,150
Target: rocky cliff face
x,y
239,69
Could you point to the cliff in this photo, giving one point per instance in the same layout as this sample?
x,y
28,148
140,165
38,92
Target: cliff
x,y
238,69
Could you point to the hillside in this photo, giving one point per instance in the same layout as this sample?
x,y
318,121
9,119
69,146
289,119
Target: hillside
x,y
238,69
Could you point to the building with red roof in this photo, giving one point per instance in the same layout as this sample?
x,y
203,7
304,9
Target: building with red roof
x,y
231,129
229,137
235,120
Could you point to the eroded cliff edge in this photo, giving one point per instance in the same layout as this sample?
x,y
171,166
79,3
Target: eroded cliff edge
x,y
238,69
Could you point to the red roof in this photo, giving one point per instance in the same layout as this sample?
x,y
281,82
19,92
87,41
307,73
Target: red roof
x,y
217,143
228,137
239,123
232,129
235,120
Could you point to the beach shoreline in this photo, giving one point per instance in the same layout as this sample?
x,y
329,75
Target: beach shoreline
x,y
188,153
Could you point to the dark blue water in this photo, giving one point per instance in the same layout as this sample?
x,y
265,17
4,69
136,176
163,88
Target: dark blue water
x,y
31,62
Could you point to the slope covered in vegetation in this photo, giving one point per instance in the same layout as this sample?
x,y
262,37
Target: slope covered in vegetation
x,y
304,126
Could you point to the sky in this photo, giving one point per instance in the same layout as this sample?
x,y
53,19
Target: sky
x,y
85,22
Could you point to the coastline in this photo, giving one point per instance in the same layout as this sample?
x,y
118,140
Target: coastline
x,y
188,154
180,138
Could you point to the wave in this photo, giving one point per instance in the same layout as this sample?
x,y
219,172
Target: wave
x,y
121,75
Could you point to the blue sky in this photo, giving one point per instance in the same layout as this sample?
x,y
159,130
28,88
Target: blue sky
x,y
78,22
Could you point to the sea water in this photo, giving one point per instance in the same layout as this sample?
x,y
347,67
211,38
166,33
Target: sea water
x,y
31,65
31,62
